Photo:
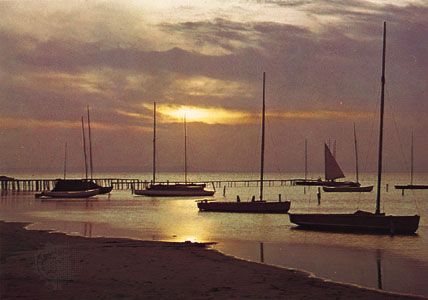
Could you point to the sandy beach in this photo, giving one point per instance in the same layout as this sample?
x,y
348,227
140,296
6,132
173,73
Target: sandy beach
x,y
43,265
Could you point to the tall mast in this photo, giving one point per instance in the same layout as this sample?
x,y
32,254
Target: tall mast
x,y
154,143
356,153
185,149
65,160
382,100
262,156
306,159
90,144
411,161
84,149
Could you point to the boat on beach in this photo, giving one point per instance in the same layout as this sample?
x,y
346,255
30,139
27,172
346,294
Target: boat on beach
x,y
253,206
351,189
186,189
363,221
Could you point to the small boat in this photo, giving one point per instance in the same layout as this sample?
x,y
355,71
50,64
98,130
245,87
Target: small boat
x,y
175,190
255,206
332,171
67,194
362,221
245,207
64,185
411,186
90,183
185,189
350,188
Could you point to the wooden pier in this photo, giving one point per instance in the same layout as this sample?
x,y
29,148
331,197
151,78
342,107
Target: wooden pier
x,y
30,185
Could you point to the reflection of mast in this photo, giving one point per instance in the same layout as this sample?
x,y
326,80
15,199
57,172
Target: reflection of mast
x,y
379,269
262,254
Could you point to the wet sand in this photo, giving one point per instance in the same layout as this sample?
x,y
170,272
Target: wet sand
x,y
43,265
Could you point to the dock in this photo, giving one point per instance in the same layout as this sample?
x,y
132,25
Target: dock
x,y
36,185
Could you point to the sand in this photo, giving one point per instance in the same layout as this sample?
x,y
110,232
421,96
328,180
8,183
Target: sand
x,y
43,265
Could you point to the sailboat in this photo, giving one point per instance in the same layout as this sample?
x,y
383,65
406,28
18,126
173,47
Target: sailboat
x,y
350,189
363,221
332,171
186,189
63,185
73,188
253,206
411,186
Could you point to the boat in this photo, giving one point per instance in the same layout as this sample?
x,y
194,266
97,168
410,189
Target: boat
x,y
186,189
363,221
73,185
90,183
411,186
350,189
68,194
253,206
332,171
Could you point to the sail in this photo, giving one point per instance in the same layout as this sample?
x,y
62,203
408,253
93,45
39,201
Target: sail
x,y
332,169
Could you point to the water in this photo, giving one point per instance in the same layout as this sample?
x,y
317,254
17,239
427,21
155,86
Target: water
x,y
398,263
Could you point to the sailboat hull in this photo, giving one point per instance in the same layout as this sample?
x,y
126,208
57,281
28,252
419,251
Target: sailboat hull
x,y
309,182
174,193
412,187
245,207
68,194
358,222
348,189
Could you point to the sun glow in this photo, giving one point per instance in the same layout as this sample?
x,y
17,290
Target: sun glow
x,y
171,113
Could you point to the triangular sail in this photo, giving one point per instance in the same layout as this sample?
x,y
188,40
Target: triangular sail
x,y
332,169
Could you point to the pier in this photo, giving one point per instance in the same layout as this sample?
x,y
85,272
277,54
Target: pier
x,y
36,185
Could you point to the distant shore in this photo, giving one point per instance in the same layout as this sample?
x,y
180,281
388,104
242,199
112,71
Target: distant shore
x,y
43,265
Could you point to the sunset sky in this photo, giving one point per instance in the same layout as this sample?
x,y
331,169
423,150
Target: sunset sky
x,y
205,58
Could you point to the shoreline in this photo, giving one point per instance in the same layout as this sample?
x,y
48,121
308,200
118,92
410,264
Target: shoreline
x,y
47,265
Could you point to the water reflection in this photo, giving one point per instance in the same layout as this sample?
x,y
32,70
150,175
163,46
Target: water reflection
x,y
379,269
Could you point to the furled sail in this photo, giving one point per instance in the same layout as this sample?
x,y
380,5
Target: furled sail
x,y
332,169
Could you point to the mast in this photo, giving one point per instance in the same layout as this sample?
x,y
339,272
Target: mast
x,y
65,160
306,159
382,100
154,143
356,153
411,161
84,150
185,149
90,144
262,156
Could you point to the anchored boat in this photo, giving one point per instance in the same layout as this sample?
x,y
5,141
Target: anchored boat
x,y
255,206
362,221
185,189
351,189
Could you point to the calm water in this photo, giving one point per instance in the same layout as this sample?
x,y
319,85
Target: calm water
x,y
398,263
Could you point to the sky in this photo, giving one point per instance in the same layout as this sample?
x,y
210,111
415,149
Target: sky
x,y
205,59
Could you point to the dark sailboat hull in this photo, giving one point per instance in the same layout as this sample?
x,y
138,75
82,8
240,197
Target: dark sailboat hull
x,y
325,183
178,190
358,222
245,207
348,189
411,187
67,194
